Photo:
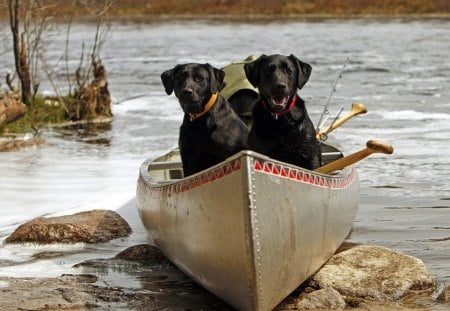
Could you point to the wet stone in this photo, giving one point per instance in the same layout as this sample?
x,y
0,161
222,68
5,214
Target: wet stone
x,y
375,273
323,299
143,252
137,257
79,278
94,226
17,144
444,296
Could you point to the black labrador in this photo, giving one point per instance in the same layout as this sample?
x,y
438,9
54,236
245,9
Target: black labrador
x,y
282,128
211,131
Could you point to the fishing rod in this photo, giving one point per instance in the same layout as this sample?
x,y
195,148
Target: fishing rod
x,y
325,114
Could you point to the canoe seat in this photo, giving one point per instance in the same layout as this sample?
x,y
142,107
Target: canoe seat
x,y
166,170
330,156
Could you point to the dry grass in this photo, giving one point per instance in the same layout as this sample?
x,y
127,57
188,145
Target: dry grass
x,y
266,7
244,8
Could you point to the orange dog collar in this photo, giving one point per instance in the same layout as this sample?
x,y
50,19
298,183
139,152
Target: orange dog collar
x,y
212,100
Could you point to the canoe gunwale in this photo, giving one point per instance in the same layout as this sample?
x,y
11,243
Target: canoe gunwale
x,y
260,162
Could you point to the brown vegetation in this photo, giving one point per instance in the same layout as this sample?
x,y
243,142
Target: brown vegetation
x,y
29,23
282,7
93,100
245,8
11,107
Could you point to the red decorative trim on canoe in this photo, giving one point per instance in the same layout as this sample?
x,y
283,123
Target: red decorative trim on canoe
x,y
266,168
261,166
275,170
229,169
333,182
207,177
291,174
220,173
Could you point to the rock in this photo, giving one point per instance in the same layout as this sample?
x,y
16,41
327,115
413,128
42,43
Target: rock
x,y
16,144
143,252
94,226
373,272
323,299
444,296
137,255
45,294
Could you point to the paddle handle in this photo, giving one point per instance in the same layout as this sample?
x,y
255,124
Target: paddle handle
x,y
372,146
357,108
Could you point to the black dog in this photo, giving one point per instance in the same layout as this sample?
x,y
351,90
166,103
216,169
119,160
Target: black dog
x,y
282,128
211,130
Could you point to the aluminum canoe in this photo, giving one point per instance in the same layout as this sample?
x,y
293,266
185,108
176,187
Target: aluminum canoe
x,y
250,229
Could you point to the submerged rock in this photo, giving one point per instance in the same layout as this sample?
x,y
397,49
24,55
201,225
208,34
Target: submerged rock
x,y
374,272
143,252
94,226
136,255
444,296
323,299
14,144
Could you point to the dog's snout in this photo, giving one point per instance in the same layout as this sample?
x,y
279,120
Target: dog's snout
x,y
187,92
281,86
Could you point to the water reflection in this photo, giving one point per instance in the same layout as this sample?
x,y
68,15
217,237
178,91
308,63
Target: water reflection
x,y
96,133
173,288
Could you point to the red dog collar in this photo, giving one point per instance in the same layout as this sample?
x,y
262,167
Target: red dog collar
x,y
276,114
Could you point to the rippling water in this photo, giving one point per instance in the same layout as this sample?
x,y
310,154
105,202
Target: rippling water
x,y
398,69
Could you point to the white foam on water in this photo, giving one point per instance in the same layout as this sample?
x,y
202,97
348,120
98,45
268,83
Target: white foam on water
x,y
66,176
412,115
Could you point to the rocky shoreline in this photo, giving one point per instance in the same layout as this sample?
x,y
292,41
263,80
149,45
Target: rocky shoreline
x,y
357,277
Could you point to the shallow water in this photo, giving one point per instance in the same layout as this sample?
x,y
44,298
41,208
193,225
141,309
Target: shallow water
x,y
399,69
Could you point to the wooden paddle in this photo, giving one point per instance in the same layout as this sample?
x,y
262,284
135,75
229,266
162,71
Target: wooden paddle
x,y
372,146
357,108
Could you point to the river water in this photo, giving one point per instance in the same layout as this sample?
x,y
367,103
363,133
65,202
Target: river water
x,y
399,69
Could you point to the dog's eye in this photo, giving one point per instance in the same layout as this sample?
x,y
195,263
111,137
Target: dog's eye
x,y
272,68
198,78
288,71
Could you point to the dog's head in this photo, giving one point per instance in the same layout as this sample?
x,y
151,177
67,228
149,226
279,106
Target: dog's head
x,y
193,84
277,78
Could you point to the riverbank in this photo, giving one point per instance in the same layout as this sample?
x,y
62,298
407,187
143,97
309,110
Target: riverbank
x,y
264,18
154,283
244,10
284,7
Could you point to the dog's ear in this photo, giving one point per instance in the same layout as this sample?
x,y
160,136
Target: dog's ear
x,y
168,78
216,77
252,71
304,71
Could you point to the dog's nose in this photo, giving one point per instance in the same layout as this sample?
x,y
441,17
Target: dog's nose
x,y
281,86
187,92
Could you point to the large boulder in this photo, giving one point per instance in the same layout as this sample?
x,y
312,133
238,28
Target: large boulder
x,y
374,272
94,226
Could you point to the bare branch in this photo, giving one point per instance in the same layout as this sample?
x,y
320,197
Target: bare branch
x,y
9,81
